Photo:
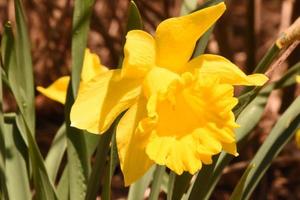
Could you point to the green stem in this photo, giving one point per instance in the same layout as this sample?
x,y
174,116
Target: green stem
x,y
157,180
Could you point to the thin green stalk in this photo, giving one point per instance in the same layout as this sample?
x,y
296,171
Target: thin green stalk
x,y
157,181
138,188
268,58
99,165
111,166
172,177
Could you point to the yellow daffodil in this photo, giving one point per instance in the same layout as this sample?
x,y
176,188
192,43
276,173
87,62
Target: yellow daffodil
x,y
57,91
297,138
179,110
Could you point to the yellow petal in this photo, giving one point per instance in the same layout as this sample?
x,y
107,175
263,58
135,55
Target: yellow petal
x,y
158,80
226,71
179,154
176,37
57,91
131,144
298,79
139,54
230,148
91,66
102,99
297,138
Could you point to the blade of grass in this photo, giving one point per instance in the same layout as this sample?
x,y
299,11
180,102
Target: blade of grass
x,y
16,172
56,152
247,120
99,165
157,181
134,20
137,189
237,193
281,133
43,185
23,70
78,159
3,188
171,183
112,164
63,191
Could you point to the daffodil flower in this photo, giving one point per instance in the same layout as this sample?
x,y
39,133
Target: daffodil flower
x,y
179,109
57,91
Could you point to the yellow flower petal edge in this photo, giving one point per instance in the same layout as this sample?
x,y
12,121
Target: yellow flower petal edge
x,y
91,66
139,54
297,138
298,79
102,99
213,65
57,91
133,159
176,37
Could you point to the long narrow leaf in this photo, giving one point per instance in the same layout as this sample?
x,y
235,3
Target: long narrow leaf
x,y
16,172
56,152
278,137
137,189
76,141
111,167
63,191
22,72
157,181
43,185
99,165
3,189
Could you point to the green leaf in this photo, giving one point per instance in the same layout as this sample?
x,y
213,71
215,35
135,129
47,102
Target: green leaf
x,y
80,28
172,177
112,164
188,6
134,18
43,185
78,158
237,193
281,133
3,189
63,190
16,172
137,189
99,165
157,181
21,74
248,119
56,152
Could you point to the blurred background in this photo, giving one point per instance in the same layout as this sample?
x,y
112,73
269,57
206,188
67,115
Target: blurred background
x,y
243,35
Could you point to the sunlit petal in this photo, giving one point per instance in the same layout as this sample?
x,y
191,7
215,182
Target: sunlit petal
x,y
131,143
226,71
176,37
57,91
139,54
91,66
102,99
